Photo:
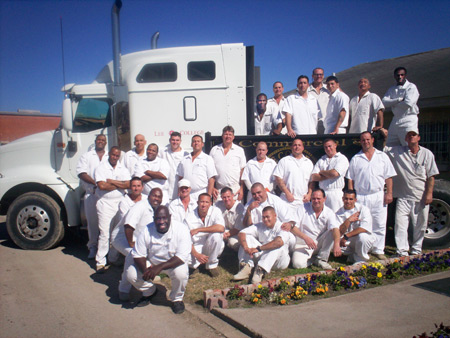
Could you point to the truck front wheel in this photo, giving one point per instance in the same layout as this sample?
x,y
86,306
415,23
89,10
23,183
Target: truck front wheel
x,y
437,234
34,222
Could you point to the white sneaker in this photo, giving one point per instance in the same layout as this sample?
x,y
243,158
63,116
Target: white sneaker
x,y
323,265
92,253
244,273
258,275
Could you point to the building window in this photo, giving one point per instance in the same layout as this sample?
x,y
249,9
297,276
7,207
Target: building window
x,y
201,70
435,137
158,72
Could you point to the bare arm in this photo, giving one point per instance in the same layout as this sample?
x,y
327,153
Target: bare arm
x,y
129,234
155,175
388,196
350,185
275,244
154,270
380,120
428,193
210,188
327,174
86,178
102,185
119,184
211,229
339,121
277,130
290,131
284,188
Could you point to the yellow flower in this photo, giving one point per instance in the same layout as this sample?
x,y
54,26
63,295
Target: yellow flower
x,y
259,286
283,301
341,268
379,275
255,300
326,288
297,293
364,267
288,283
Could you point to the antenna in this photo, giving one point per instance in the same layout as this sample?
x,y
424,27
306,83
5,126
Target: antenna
x,y
62,51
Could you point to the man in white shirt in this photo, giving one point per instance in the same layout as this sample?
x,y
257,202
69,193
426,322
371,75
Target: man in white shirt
x,y
154,172
163,246
230,161
369,171
259,169
133,156
366,110
336,120
198,168
275,107
206,225
264,243
181,207
330,171
292,175
173,154
265,121
402,98
413,188
321,94
233,215
302,110
355,229
317,232
112,179
86,166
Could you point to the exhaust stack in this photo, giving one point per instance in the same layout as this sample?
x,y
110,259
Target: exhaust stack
x,y
155,38
116,42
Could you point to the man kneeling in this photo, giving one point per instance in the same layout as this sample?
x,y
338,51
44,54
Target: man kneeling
x,y
265,243
163,246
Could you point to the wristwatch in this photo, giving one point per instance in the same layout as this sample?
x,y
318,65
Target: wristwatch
x,y
258,248
346,237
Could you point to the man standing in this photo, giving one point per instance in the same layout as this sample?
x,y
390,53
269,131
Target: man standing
x,y
181,207
233,215
413,188
207,226
321,94
265,243
86,166
163,246
292,175
369,171
230,161
366,110
259,169
317,232
135,155
198,168
112,179
154,172
265,121
330,171
355,229
336,120
275,107
402,98
302,110
173,154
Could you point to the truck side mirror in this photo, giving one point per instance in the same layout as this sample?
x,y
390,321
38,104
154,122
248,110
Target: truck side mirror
x,y
67,120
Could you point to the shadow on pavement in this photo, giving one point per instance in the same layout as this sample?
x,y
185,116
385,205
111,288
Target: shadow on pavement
x,y
441,286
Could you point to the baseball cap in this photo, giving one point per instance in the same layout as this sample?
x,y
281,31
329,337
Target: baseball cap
x,y
184,183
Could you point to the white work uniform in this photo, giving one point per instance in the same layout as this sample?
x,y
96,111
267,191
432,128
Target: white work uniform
x,y
159,165
277,112
333,186
233,220
338,101
177,210
87,163
264,125
363,112
258,172
259,234
323,97
369,179
409,188
403,102
296,174
228,166
209,244
318,229
304,112
357,247
174,159
131,159
107,204
198,172
158,248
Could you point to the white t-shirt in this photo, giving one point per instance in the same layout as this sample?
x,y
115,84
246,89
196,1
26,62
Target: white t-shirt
x,y
365,218
198,172
174,159
313,226
364,112
214,216
265,235
304,112
131,159
264,126
338,162
105,171
158,165
277,112
403,100
176,209
87,163
234,217
259,172
323,97
338,101
282,209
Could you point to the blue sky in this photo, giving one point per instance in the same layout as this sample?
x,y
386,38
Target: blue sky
x,y
290,37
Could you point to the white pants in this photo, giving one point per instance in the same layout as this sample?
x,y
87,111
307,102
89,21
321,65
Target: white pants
x,y
417,213
233,243
358,247
90,209
334,199
302,256
178,277
210,245
396,134
124,284
107,209
277,259
378,210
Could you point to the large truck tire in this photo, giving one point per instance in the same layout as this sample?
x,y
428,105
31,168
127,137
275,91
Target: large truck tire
x,y
437,235
34,222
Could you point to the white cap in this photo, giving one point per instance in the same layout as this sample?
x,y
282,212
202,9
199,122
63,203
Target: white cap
x,y
184,183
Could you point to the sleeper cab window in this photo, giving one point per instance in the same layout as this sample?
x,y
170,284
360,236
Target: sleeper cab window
x,y
158,72
201,71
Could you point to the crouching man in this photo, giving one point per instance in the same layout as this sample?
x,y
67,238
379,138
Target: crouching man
x,y
355,229
265,243
163,246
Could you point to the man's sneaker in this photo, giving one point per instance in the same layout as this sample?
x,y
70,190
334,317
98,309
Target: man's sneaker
x,y
244,273
258,275
100,269
92,253
157,279
145,300
214,272
178,307
124,296
379,256
323,265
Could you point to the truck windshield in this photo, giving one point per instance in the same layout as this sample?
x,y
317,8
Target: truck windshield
x,y
92,114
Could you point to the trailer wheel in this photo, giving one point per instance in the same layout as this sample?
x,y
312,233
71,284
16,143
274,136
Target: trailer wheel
x,y
34,222
437,234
